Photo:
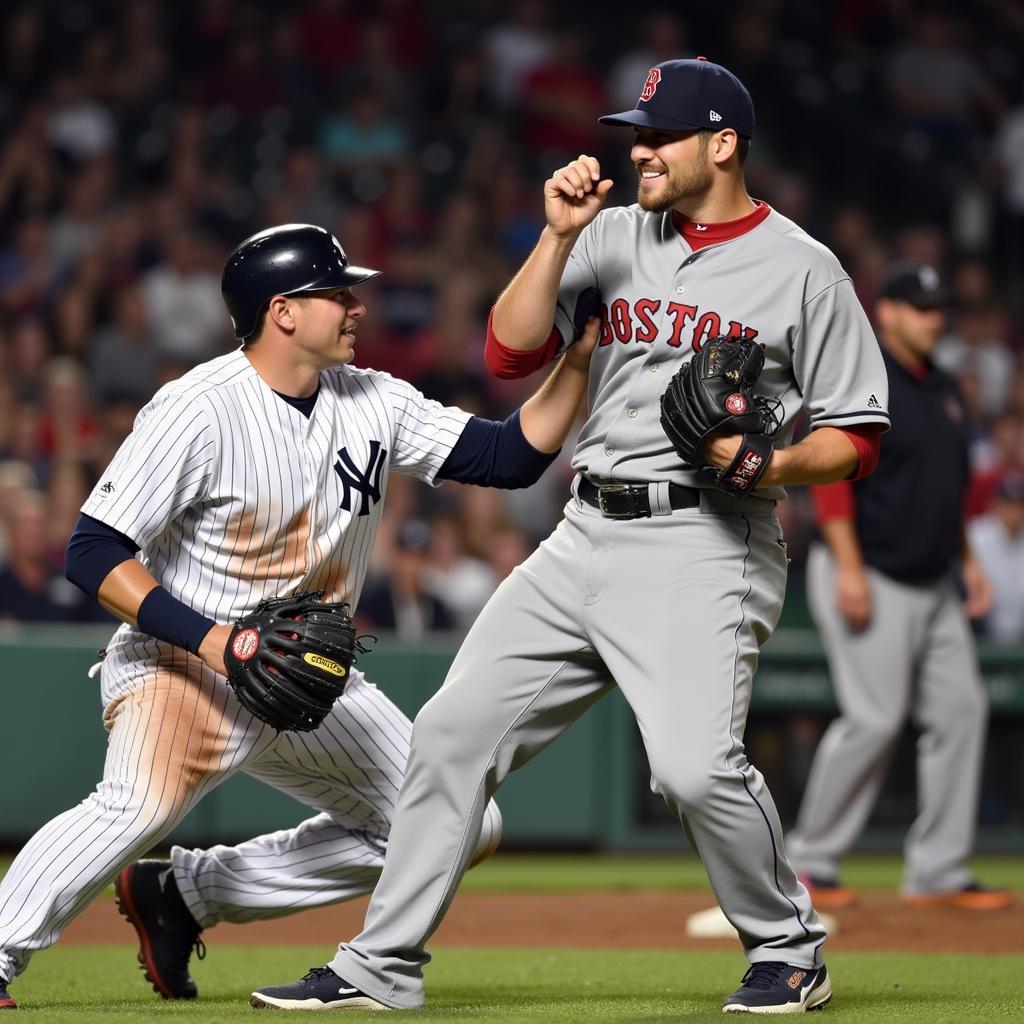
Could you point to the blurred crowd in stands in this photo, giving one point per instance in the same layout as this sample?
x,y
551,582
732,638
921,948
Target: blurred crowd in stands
x,y
141,141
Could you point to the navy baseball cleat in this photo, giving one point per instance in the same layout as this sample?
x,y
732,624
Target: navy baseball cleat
x,y
6,999
148,896
321,989
776,987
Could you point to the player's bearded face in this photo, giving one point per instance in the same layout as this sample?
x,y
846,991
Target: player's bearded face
x,y
671,169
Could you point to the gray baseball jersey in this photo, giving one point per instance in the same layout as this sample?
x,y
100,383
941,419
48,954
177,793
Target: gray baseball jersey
x,y
662,301
233,496
672,608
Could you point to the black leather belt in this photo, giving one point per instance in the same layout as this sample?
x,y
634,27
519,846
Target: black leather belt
x,y
626,501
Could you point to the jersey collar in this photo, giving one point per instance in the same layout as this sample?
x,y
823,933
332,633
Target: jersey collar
x,y
698,236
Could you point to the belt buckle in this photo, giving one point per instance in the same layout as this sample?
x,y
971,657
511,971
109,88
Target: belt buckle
x,y
616,489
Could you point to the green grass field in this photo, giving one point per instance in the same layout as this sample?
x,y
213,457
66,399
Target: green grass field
x,y
87,984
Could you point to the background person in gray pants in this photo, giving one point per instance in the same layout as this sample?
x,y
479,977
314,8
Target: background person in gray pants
x,y
884,594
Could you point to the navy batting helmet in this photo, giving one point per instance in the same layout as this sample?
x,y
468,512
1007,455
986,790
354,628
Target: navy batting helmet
x,y
285,260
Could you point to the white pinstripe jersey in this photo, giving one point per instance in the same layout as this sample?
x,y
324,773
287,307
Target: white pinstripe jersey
x,y
661,300
233,495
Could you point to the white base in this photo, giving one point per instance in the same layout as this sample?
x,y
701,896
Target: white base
x,y
713,924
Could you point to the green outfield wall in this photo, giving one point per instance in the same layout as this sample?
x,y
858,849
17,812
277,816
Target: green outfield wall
x,y
589,789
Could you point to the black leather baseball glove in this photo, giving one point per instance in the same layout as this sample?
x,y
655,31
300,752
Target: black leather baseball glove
x,y
714,392
288,661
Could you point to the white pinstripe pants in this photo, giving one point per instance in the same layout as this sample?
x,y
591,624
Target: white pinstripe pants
x,y
174,736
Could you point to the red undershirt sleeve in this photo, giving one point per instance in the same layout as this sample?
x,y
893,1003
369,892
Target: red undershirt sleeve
x,y
512,364
832,501
835,501
867,439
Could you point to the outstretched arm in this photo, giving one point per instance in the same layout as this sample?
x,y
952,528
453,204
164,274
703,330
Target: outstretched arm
x,y
516,452
548,415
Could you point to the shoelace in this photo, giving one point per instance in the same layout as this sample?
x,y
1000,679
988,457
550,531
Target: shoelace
x,y
200,948
766,975
317,972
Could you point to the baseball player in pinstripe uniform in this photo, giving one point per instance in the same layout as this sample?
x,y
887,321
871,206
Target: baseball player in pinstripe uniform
x,y
257,474
656,581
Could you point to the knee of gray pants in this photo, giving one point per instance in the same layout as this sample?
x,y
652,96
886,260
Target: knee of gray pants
x,y
451,734
685,788
871,729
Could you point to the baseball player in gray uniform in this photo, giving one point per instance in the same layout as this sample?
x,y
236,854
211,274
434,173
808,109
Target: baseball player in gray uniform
x,y
884,593
652,582
257,474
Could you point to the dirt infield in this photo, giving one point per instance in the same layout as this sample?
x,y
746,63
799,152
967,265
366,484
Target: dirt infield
x,y
647,920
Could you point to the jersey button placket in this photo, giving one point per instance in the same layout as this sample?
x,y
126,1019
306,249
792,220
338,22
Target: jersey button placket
x,y
311,484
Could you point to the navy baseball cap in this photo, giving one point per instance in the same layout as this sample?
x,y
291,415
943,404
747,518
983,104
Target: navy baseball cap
x,y
690,95
917,283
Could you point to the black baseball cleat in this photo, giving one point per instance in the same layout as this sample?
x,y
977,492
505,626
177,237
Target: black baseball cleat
x,y
320,989
776,987
148,896
6,999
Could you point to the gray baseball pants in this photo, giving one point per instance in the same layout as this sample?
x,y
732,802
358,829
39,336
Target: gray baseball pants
x,y
915,661
673,609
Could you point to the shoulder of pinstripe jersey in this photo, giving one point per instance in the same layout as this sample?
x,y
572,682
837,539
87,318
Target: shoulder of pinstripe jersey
x,y
224,371
341,377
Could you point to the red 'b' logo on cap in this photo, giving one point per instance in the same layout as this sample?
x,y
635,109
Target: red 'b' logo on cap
x,y
653,78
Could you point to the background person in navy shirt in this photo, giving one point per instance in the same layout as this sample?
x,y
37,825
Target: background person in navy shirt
x,y
884,593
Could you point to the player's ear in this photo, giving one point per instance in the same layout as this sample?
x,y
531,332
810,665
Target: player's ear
x,y
281,310
723,145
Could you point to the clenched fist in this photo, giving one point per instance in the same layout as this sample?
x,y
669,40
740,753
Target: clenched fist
x,y
574,195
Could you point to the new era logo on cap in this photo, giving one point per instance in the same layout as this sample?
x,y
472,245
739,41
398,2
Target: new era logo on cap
x,y
690,95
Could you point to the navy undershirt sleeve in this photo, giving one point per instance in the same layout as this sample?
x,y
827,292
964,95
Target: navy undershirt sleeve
x,y
495,454
95,549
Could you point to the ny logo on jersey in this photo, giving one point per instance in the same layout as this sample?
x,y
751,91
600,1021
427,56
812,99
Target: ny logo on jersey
x,y
366,482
